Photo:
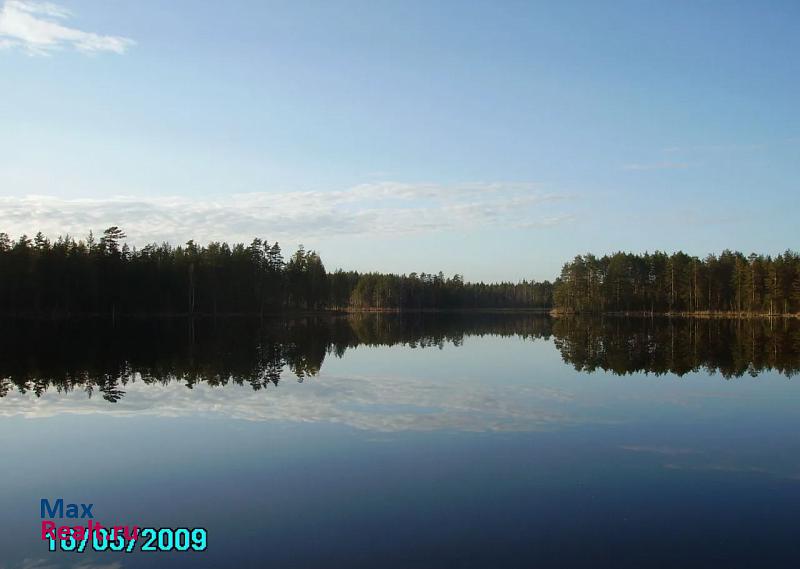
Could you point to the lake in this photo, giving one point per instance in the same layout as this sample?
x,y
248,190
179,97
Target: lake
x,y
413,441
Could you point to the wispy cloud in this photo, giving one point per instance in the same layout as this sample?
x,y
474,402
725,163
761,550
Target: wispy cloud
x,y
50,564
714,148
546,221
377,403
656,166
38,29
656,449
29,563
386,208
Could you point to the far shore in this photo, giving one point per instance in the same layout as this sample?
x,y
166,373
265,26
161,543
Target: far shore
x,y
289,313
299,313
683,314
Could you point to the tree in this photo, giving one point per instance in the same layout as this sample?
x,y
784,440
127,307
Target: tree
x,y
111,239
678,282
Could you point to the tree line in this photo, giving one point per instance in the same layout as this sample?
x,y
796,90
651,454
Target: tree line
x,y
69,276
104,275
663,283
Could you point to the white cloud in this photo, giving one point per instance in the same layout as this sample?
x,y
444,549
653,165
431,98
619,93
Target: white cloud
x,y
33,564
656,166
37,28
50,564
714,148
657,449
372,403
386,208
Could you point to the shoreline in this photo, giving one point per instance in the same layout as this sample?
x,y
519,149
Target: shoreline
x,y
286,314
294,313
703,314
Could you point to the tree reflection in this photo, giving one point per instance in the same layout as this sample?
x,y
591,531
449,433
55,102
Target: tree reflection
x,y
95,355
731,347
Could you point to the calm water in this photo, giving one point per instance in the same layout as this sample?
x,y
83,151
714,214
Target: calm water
x,y
486,441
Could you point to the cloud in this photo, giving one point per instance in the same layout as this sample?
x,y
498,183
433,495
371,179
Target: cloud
x,y
375,403
715,148
664,450
546,221
717,460
656,166
736,465
29,563
385,208
90,565
37,29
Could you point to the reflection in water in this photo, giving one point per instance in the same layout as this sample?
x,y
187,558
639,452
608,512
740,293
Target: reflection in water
x,y
731,347
95,356
496,451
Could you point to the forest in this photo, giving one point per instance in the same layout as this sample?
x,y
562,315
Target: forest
x,y
679,283
104,276
97,276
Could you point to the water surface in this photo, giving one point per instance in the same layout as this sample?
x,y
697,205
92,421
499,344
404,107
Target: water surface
x,y
386,441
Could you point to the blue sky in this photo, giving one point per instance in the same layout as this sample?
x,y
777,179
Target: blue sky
x,y
494,139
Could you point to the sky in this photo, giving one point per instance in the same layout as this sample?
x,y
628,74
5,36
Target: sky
x,y
492,139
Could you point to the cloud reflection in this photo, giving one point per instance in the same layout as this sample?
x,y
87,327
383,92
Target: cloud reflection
x,y
372,403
